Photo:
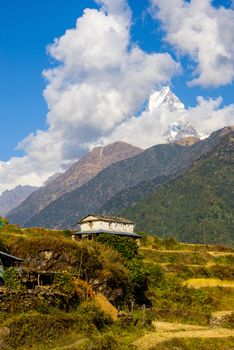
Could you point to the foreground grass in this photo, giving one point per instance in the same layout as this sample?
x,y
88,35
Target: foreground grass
x,y
196,344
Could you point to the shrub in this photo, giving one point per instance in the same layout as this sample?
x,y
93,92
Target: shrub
x,y
33,327
175,302
90,315
156,275
124,245
104,342
138,275
67,284
28,329
169,242
11,278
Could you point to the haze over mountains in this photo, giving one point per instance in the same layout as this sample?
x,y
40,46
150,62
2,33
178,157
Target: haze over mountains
x,y
77,175
154,166
12,198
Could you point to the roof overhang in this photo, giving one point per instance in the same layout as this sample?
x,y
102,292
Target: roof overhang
x,y
12,257
115,233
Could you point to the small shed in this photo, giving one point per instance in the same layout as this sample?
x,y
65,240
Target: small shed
x,y
93,225
7,260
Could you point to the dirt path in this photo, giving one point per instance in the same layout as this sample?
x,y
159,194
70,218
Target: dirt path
x,y
72,346
166,331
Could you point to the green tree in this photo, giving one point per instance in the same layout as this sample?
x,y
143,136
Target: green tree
x,y
124,245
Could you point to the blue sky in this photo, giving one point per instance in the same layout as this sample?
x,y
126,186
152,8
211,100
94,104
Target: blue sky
x,y
27,27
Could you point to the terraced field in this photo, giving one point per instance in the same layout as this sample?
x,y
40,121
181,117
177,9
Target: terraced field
x,y
208,272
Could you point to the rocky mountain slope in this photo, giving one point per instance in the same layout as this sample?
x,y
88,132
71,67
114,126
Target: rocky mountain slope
x,y
198,205
10,199
168,160
78,174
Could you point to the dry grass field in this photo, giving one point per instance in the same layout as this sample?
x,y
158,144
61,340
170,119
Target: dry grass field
x,y
208,282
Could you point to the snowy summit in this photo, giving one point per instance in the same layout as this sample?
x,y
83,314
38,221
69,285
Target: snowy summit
x,y
165,98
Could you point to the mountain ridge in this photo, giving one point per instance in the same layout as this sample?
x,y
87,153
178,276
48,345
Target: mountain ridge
x,y
10,199
78,174
196,206
160,160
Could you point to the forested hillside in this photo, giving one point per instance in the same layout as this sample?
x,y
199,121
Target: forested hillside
x,y
197,205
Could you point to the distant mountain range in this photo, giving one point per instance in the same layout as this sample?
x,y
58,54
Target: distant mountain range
x,y
153,167
78,174
10,199
168,189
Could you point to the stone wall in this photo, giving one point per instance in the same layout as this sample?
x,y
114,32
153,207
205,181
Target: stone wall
x,y
25,300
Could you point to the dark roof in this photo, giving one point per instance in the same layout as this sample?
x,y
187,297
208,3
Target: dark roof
x,y
9,256
117,233
108,218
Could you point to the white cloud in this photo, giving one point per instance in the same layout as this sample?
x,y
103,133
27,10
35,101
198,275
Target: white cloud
x,y
151,126
203,32
209,115
100,80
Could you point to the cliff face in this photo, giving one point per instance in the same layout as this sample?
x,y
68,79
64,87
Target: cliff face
x,y
78,174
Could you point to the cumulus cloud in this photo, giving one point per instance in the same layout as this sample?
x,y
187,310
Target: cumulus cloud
x,y
205,33
100,80
151,127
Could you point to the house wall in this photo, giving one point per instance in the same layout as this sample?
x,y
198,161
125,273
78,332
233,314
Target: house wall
x,y
104,225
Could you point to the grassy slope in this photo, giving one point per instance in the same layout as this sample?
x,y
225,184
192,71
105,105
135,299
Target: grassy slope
x,y
168,264
197,205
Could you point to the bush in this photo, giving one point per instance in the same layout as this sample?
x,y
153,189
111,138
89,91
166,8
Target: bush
x,y
124,245
104,342
11,278
137,272
169,242
90,315
156,275
178,303
33,327
138,275
28,329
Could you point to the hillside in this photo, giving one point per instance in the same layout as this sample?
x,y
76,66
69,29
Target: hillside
x,y
130,196
161,160
196,206
10,199
79,173
188,290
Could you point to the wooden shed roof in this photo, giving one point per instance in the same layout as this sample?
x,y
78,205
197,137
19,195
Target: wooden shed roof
x,y
9,256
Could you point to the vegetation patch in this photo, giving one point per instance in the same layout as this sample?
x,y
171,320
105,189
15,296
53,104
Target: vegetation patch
x,y
196,344
208,282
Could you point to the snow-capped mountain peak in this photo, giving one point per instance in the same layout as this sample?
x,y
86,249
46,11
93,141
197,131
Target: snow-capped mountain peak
x,y
180,130
165,98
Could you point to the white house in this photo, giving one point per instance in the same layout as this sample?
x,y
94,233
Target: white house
x,y
93,225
